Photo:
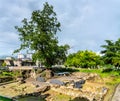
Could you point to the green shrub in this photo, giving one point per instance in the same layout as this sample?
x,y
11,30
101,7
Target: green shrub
x,y
4,64
64,69
107,70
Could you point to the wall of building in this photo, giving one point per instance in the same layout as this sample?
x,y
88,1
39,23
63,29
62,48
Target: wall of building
x,y
9,62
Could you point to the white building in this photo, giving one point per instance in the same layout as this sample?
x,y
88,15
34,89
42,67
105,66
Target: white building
x,y
9,58
21,56
28,56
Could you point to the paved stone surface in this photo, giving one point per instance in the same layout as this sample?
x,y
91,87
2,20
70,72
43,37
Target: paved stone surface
x,y
116,96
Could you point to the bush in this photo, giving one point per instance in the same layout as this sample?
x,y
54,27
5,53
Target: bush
x,y
107,70
4,64
56,70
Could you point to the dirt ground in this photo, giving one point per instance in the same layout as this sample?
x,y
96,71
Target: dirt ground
x,y
15,89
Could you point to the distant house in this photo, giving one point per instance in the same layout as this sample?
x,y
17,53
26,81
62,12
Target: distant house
x,y
28,63
9,58
22,60
27,56
9,62
18,62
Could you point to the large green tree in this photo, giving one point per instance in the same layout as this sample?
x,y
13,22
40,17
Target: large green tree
x,y
84,59
111,52
108,52
39,35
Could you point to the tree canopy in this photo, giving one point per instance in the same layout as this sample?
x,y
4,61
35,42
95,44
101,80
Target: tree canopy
x,y
84,59
111,52
39,35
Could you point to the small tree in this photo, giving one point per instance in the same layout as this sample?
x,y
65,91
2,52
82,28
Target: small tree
x,y
39,34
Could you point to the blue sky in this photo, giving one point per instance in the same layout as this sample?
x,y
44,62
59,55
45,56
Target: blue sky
x,y
85,24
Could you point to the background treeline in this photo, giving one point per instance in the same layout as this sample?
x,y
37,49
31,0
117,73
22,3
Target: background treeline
x,y
84,59
110,55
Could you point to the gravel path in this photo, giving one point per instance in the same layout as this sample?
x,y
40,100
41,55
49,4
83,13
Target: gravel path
x,y
116,96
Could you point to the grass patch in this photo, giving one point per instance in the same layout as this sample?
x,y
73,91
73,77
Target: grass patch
x,y
61,97
31,98
57,96
9,73
100,72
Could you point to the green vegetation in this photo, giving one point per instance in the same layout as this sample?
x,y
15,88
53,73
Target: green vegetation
x,y
61,97
30,98
8,76
64,70
111,52
9,73
110,59
102,72
4,74
5,99
4,64
109,78
84,59
39,35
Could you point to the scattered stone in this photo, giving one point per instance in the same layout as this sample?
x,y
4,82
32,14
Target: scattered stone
x,y
40,79
67,85
77,85
43,89
57,82
37,86
49,74
104,90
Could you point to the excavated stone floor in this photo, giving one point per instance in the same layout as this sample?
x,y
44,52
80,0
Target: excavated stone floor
x,y
93,88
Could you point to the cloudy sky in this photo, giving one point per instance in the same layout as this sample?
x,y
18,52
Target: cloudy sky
x,y
85,24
